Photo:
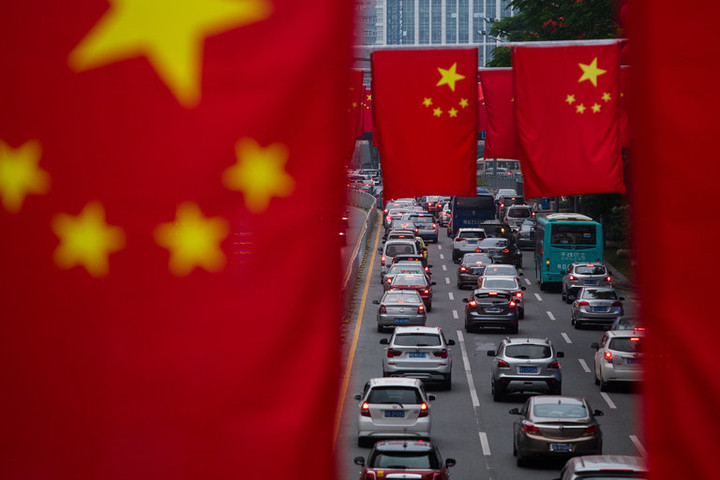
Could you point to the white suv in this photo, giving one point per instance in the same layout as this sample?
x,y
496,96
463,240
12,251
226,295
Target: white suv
x,y
419,352
466,241
515,215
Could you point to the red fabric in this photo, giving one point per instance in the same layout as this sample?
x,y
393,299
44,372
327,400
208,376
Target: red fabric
x,y
424,154
482,110
356,105
367,111
564,151
143,372
673,105
501,138
625,137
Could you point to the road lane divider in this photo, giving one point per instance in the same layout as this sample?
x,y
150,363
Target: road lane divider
x,y
528,281
468,372
447,280
537,295
636,441
550,314
442,257
451,296
484,443
444,267
439,247
584,365
455,314
565,337
608,400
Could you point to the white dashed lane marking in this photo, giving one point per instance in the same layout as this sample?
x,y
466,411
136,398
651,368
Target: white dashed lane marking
x,y
439,247
584,365
607,399
537,295
550,314
528,281
638,445
451,296
442,257
455,315
447,280
444,267
565,337
484,443
468,372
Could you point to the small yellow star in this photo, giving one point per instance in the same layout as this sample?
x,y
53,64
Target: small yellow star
x,y
20,174
437,112
580,108
449,77
595,107
464,102
86,240
512,100
169,33
590,72
193,240
427,101
606,97
453,113
259,173
355,105
570,99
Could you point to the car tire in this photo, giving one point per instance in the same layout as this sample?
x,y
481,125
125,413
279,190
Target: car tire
x,y
520,459
543,287
429,307
597,380
381,329
363,442
447,382
521,313
497,393
513,329
604,386
563,295
556,390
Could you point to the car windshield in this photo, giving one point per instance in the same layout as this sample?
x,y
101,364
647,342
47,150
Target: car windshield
x,y
631,344
417,340
394,249
400,298
527,350
519,212
500,270
471,234
504,283
590,270
404,460
597,294
494,242
402,395
560,410
409,279
476,259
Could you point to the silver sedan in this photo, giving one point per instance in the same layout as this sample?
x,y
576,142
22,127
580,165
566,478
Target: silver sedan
x,y
400,307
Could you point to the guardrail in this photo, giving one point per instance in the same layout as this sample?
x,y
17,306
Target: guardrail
x,y
366,202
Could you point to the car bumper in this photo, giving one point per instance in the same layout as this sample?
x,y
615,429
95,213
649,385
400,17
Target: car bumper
x,y
385,320
596,318
617,373
428,235
513,383
426,374
468,280
478,320
540,446
418,429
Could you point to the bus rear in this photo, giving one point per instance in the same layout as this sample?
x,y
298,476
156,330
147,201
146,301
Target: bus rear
x,y
470,212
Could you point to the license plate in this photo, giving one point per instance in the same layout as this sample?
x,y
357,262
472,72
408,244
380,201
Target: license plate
x,y
401,320
395,413
599,309
632,361
590,282
477,271
472,242
561,447
492,310
417,354
527,369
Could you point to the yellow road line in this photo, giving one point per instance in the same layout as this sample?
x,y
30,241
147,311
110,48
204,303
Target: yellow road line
x,y
353,345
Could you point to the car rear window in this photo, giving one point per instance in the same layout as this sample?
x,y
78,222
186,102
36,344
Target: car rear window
x,y
409,279
404,395
394,249
529,351
500,270
494,242
631,344
471,234
405,268
404,460
417,220
519,212
400,298
504,283
555,410
476,259
591,270
595,294
418,340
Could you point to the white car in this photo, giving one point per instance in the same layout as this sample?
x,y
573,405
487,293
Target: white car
x,y
393,408
466,241
618,357
506,192
393,248
419,352
515,215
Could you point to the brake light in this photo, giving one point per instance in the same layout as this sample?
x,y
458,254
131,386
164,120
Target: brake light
x,y
518,294
502,364
434,225
572,277
591,430
463,269
617,304
389,280
607,279
426,291
635,339
365,410
583,304
382,260
472,303
417,230
608,357
533,214
442,353
424,412
393,353
502,205
492,293
554,365
427,269
477,250
382,309
528,427
639,329
389,219
459,239
386,211
506,251
512,304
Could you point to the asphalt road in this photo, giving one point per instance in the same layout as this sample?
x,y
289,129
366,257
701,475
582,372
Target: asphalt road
x,y
467,424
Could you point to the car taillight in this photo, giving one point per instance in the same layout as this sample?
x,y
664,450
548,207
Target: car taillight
x,y
382,260
383,309
518,294
370,475
389,280
502,205
512,304
365,410
617,304
591,430
607,279
386,211
528,427
426,291
472,304
417,230
502,364
434,225
608,357
424,412
442,353
459,239
572,277
554,365
427,269
421,309
437,476
389,219
583,304
393,353
463,269
506,251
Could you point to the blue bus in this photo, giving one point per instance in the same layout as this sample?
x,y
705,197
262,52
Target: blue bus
x,y
562,239
470,212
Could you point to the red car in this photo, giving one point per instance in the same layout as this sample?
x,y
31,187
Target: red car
x,y
419,458
411,281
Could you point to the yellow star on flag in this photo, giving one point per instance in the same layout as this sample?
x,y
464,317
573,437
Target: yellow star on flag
x,y
449,77
355,105
86,240
590,72
427,101
20,174
580,108
464,102
570,99
193,240
452,112
170,33
259,173
606,97
369,97
437,112
595,108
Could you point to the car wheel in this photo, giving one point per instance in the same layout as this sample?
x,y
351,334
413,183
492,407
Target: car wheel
x,y
381,329
597,380
543,287
563,295
521,313
497,393
556,390
520,459
447,382
429,307
604,385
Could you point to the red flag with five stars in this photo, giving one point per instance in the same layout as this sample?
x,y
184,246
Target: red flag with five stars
x,y
367,111
426,122
501,139
152,167
482,110
566,104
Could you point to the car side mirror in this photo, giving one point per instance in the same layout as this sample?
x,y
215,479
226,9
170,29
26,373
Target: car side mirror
x,y
465,300
376,302
431,397
359,461
491,353
433,283
384,341
521,274
450,341
560,354
380,249
598,413
450,462
357,397
595,346
429,266
523,288
622,299
514,411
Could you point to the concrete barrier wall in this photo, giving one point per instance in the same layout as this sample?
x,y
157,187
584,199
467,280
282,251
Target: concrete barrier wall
x,y
366,202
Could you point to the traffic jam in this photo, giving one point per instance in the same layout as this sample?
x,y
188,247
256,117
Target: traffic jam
x,y
491,341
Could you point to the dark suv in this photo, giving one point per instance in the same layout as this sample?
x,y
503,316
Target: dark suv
x,y
491,308
410,459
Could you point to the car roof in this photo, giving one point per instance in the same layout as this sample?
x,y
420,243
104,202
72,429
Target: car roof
x,y
500,277
395,382
401,241
593,463
625,333
403,446
523,340
417,330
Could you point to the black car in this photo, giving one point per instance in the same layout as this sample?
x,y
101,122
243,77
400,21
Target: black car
x,y
501,250
470,269
525,237
491,308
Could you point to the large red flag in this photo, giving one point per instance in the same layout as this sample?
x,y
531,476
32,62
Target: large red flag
x,y
482,110
625,138
566,98
367,111
356,109
501,138
426,121
674,105
152,166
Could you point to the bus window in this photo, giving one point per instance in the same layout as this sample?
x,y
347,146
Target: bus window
x,y
572,235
